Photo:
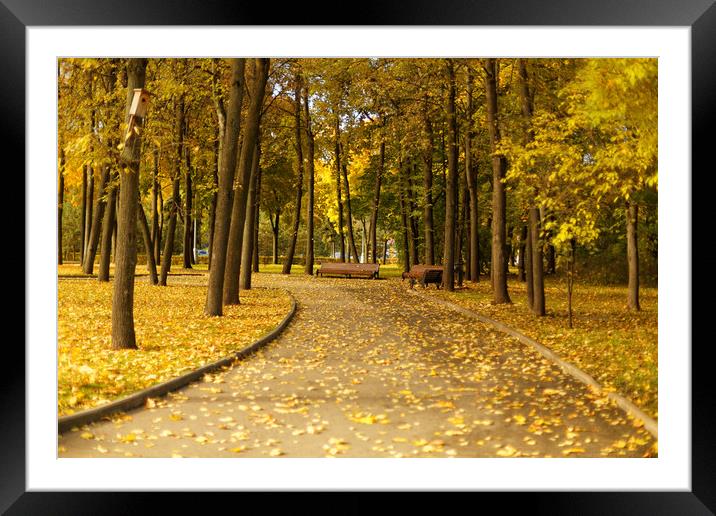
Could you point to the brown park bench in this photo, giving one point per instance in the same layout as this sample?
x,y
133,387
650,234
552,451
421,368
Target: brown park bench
x,y
424,274
367,270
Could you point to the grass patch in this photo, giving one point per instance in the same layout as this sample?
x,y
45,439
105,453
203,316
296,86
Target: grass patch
x,y
173,334
617,347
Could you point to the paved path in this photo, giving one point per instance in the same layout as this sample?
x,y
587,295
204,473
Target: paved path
x,y
367,370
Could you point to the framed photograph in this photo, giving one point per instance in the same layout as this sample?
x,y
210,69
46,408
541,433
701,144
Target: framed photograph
x,y
678,479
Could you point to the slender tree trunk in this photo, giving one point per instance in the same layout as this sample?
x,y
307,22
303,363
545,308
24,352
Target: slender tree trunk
x,y
108,225
60,204
409,208
499,274
288,262
538,303
349,214
521,258
123,336
187,251
451,186
147,237
83,226
461,235
529,276
96,228
428,222
238,211
171,231
156,233
633,254
535,274
570,281
247,252
257,213
406,239
413,222
218,153
471,180
338,188
90,204
176,196
310,168
376,203
274,231
227,164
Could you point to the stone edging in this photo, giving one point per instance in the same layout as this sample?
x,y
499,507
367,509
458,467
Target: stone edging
x,y
627,406
138,399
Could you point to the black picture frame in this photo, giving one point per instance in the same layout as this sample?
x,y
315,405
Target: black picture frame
x,y
700,15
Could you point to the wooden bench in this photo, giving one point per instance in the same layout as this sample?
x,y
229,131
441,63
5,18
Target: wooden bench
x,y
367,270
424,274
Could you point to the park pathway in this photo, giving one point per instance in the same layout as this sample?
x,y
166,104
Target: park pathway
x,y
368,370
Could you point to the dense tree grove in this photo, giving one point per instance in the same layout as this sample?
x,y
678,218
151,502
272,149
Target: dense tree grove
x,y
486,166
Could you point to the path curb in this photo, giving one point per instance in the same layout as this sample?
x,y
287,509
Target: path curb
x,y
627,406
139,398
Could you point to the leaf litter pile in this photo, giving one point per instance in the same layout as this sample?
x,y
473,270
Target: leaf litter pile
x,y
173,336
367,370
618,348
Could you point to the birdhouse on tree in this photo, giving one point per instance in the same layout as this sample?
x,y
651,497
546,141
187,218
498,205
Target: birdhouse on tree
x,y
137,112
140,102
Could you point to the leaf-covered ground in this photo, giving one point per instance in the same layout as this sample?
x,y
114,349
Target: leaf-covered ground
x,y
173,335
75,270
616,347
367,370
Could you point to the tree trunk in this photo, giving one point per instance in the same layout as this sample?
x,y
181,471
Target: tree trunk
x,y
90,205
406,239
227,164
428,222
376,203
123,336
171,231
412,221
471,179
499,273
521,257
158,243
60,204
528,266
570,281
257,213
451,186
218,153
238,211
274,231
633,254
156,232
96,228
288,262
538,304
338,188
247,251
176,197
83,226
147,237
535,272
188,226
349,215
310,147
108,225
